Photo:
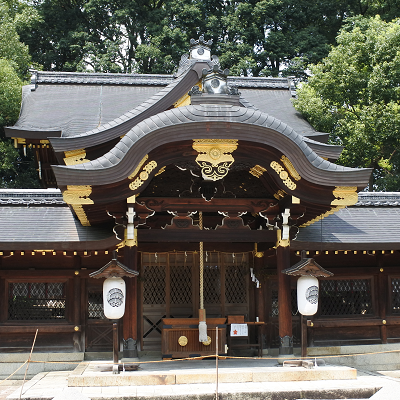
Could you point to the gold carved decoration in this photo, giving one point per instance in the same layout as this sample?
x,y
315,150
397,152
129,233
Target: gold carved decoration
x,y
134,173
80,213
280,194
345,195
74,157
289,166
258,254
281,242
185,99
78,194
329,212
257,171
143,175
214,158
283,175
208,342
162,169
128,242
183,341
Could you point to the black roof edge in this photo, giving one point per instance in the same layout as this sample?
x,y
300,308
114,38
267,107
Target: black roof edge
x,y
14,131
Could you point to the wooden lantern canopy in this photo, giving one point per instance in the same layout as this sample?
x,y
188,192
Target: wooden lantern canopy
x,y
307,285
114,295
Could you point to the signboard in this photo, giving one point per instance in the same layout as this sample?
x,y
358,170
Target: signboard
x,y
239,330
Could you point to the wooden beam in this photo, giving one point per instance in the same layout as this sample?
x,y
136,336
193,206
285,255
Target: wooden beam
x,y
43,328
214,205
182,235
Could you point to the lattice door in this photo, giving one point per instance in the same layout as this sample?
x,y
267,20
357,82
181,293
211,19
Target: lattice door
x,y
154,272
99,336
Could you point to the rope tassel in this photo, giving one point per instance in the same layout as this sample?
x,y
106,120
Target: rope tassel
x,y
202,311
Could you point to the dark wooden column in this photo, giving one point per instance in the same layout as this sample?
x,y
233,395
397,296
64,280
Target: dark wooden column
x,y
259,296
3,301
383,296
76,315
284,298
130,318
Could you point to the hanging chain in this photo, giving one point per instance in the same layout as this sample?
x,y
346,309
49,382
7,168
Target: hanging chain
x,y
201,263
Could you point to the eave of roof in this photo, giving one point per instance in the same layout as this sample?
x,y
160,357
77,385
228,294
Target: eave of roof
x,y
224,122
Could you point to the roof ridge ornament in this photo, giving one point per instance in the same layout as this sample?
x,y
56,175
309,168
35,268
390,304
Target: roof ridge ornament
x,y
200,50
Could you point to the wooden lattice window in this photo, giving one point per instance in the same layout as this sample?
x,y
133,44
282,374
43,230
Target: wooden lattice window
x,y
95,305
181,284
154,281
345,297
36,301
275,305
395,295
212,284
236,284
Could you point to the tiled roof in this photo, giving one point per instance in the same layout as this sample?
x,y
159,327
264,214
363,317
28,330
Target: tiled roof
x,y
31,197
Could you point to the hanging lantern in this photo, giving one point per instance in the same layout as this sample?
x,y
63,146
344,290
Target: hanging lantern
x,y
114,294
307,294
307,284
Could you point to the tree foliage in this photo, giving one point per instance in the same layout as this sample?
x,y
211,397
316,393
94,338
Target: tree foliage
x,y
354,93
252,37
16,170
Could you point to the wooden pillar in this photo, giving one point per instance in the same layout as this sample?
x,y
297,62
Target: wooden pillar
x,y
76,316
382,297
130,318
3,301
259,295
284,297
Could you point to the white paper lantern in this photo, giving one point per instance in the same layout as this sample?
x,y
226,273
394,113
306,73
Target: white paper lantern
x,y
307,294
114,294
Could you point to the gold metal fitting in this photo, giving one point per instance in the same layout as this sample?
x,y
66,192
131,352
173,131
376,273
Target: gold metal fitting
x,y
76,328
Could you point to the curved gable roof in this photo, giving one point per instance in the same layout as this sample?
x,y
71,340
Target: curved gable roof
x,y
211,121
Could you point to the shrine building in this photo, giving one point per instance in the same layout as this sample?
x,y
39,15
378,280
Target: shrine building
x,y
209,186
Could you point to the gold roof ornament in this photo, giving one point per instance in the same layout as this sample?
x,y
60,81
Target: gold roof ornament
x,y
214,157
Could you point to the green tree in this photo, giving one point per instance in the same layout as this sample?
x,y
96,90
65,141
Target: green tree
x,y
16,169
354,94
251,37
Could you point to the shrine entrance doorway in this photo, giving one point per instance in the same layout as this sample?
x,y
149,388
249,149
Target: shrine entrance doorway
x,y
169,285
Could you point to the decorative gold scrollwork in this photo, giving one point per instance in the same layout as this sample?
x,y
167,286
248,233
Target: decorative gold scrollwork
x,y
257,170
289,166
78,195
80,213
345,196
283,175
74,157
143,176
214,158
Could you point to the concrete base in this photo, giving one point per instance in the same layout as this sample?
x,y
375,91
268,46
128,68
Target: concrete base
x,y
95,374
40,362
375,357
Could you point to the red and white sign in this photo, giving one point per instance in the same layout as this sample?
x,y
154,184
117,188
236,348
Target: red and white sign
x,y
239,330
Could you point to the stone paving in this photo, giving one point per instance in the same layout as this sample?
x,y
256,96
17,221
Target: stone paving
x,y
54,385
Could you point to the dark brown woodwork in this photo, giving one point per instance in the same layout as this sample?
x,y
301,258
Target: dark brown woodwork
x,y
259,296
174,328
115,343
184,235
303,321
77,292
214,205
3,300
130,318
347,322
284,298
382,297
44,327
